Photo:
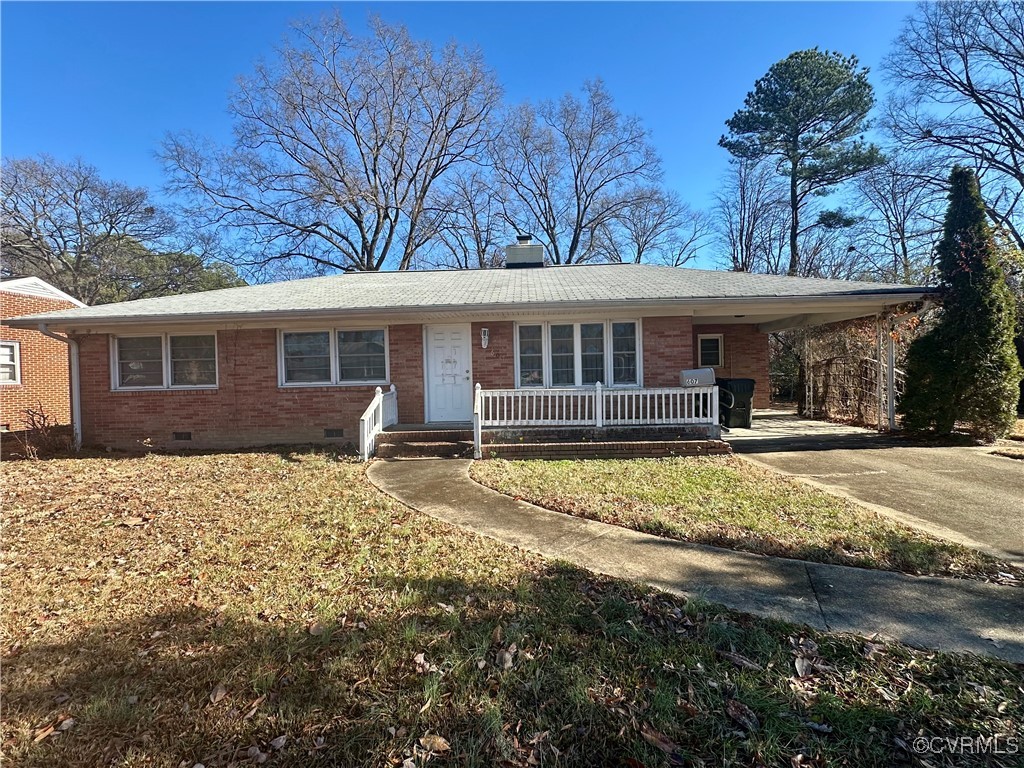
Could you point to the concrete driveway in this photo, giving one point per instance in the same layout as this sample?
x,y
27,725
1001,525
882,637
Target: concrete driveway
x,y
960,493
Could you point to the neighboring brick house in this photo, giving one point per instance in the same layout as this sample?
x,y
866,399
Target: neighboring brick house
x,y
33,368
300,361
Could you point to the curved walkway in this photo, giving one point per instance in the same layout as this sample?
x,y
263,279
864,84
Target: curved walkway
x,y
949,614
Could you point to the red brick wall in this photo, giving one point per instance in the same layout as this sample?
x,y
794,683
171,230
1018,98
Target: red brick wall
x,y
494,367
247,409
44,364
405,348
744,356
667,349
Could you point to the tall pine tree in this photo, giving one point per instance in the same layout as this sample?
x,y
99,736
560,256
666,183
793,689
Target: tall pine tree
x,y
965,369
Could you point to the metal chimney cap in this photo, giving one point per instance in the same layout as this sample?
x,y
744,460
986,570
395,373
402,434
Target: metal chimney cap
x,y
525,239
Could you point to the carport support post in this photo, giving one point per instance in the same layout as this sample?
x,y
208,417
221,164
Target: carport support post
x,y
808,378
890,376
879,372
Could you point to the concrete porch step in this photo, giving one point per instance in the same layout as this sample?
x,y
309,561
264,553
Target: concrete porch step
x,y
440,449
606,449
395,437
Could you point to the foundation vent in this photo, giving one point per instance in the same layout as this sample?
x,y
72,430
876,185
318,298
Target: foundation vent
x,y
334,433
182,435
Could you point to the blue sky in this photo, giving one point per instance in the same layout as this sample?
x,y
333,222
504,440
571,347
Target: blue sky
x,y
106,81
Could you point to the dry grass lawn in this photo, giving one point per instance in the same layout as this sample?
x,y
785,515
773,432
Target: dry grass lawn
x,y
274,608
725,501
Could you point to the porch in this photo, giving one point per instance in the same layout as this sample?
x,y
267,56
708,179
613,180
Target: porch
x,y
579,422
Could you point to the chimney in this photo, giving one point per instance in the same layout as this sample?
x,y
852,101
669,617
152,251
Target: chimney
x,y
525,253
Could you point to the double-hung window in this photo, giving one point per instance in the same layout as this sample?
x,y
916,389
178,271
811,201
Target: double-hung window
x,y
10,362
709,350
577,354
339,356
165,361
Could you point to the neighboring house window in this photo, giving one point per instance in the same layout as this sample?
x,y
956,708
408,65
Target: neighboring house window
x,y
165,361
361,356
709,351
10,362
341,356
578,354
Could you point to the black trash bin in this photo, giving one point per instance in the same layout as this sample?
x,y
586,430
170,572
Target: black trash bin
x,y
741,412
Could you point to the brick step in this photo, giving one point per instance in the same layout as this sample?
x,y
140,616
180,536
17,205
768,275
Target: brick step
x,y
607,449
434,449
425,436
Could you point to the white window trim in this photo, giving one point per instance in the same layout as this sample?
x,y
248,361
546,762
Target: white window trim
x,y
335,366
721,349
578,352
165,359
16,345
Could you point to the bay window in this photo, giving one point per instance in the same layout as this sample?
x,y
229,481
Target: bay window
x,y
578,354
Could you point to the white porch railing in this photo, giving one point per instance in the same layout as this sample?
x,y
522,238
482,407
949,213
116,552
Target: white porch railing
x,y
596,406
380,413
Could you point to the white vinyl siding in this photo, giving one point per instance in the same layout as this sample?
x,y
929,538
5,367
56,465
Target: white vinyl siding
x,y
10,362
578,354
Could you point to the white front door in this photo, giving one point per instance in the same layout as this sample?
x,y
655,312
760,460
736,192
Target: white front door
x,y
449,377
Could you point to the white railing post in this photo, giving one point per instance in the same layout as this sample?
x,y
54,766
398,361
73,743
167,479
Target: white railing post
x,y
598,406
714,406
477,430
370,424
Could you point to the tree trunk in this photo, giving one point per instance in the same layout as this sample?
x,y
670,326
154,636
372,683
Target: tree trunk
x,y
794,222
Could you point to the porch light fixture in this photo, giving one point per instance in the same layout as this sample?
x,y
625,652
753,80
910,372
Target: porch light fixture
x,y
485,338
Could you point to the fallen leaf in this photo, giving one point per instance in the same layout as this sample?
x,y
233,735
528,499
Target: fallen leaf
x,y
434,743
68,723
278,742
42,733
131,522
656,739
316,629
218,693
804,666
740,660
742,714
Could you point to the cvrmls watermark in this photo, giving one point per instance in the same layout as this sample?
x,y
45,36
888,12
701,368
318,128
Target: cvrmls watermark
x,y
967,745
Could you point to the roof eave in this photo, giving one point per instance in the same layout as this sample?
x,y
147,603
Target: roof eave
x,y
60,321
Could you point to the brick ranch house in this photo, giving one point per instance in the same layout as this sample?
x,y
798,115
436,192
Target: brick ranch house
x,y
33,368
528,345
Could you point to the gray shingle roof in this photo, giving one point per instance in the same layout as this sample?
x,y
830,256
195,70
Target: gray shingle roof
x,y
481,289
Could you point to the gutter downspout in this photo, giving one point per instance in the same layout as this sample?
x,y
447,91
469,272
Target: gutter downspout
x,y
76,384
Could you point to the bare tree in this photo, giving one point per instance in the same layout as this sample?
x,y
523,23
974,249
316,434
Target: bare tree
x,y
340,147
656,226
95,239
471,231
751,214
901,208
569,168
958,69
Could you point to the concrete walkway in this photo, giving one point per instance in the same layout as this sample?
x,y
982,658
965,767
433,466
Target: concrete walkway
x,y
949,614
